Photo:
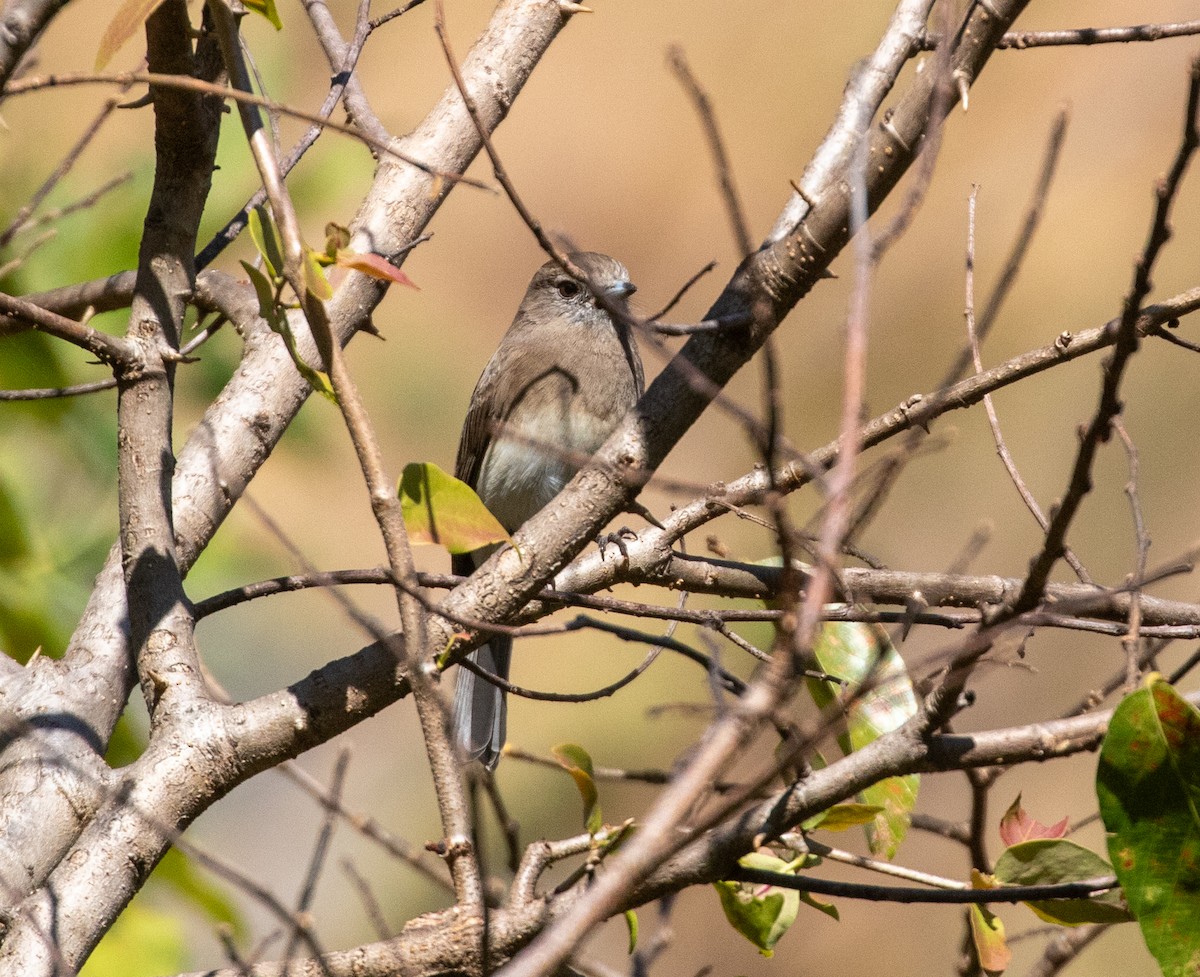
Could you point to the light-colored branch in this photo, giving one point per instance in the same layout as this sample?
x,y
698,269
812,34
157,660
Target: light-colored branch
x,y
872,82
88,688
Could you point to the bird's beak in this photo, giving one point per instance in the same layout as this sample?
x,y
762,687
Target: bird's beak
x,y
620,290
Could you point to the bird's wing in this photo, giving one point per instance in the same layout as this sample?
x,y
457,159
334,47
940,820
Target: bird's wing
x,y
477,429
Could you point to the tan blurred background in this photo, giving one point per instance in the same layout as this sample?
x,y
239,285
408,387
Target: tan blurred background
x,y
604,147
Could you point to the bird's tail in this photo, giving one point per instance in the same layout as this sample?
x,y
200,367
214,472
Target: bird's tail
x,y
480,710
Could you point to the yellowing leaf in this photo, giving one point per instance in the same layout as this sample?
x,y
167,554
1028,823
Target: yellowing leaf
x,y
127,21
439,508
266,8
578,763
277,319
841,817
862,653
631,921
987,931
1049,861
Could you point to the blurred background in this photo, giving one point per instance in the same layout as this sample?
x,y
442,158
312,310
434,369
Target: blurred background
x,y
604,147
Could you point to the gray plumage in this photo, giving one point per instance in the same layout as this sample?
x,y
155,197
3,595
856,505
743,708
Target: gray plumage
x,y
563,376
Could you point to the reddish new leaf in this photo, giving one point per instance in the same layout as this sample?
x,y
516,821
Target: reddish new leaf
x,y
1017,826
375,266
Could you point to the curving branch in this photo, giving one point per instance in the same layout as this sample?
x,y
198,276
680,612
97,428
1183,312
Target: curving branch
x,y
77,700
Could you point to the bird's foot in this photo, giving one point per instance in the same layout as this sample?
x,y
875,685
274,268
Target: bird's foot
x,y
616,539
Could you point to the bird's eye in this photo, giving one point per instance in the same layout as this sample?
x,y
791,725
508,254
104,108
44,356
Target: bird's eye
x,y
567,288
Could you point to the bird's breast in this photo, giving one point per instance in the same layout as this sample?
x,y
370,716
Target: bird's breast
x,y
555,425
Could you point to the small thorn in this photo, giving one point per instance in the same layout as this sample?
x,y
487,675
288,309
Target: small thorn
x,y
569,7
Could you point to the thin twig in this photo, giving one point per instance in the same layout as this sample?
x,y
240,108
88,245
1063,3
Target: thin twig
x,y
1132,642
945,95
1109,408
989,406
109,349
954,897
734,210
241,96
367,897
1064,948
60,171
1084,36
683,290
316,864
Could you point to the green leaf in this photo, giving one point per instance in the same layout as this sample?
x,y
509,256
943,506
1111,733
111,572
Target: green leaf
x,y
841,817
578,763
763,913
315,282
266,8
439,508
631,921
276,317
856,653
1048,861
126,22
266,239
1148,785
268,305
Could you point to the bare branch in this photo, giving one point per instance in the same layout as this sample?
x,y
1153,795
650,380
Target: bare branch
x,y
677,59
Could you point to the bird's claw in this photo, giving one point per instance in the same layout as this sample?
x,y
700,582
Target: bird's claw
x,y
616,539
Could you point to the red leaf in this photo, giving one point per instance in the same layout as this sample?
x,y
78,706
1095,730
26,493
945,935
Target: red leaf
x,y
375,266
1017,826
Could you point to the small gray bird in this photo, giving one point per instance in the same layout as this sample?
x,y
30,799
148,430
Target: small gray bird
x,y
563,376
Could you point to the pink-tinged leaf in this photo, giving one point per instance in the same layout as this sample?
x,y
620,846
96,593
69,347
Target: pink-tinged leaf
x,y
438,508
987,931
126,22
1017,826
375,266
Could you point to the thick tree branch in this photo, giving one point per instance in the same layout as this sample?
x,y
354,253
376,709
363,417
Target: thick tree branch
x,y
87,689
